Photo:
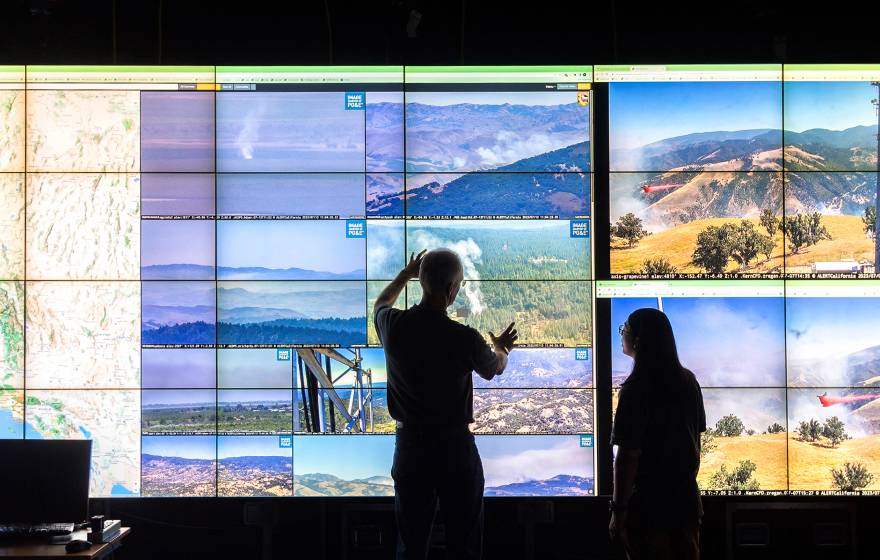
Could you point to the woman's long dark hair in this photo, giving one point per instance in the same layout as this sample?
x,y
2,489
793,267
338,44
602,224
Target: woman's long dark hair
x,y
656,357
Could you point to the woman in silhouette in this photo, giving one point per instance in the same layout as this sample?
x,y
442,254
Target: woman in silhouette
x,y
656,508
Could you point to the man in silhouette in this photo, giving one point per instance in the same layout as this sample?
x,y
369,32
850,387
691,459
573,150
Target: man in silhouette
x,y
430,360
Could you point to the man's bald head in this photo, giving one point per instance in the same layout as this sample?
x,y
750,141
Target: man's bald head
x,y
439,269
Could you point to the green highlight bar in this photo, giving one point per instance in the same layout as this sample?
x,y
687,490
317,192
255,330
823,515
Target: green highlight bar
x,y
310,74
832,288
12,74
125,74
832,72
690,283
688,72
689,288
498,74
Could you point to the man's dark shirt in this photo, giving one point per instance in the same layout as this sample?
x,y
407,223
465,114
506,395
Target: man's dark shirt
x,y
666,426
431,360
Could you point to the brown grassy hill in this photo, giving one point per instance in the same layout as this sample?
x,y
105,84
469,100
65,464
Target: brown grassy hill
x,y
767,451
847,241
810,464
677,246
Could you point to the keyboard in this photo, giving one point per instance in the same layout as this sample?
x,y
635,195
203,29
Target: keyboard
x,y
36,529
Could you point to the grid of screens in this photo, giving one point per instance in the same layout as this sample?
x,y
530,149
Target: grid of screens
x,y
189,257
742,202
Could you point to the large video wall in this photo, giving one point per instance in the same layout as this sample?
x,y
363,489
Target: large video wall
x,y
742,202
189,258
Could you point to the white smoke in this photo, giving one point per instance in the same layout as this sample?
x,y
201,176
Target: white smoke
x,y
250,131
377,256
510,147
626,197
716,361
469,253
757,408
804,405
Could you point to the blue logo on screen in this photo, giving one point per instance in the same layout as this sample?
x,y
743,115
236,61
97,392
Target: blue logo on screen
x,y
282,354
587,440
356,229
285,442
355,100
580,228
581,354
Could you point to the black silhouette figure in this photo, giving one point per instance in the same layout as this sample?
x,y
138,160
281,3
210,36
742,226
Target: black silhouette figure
x,y
430,361
656,507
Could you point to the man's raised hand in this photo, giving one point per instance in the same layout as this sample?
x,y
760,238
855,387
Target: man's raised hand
x,y
412,269
505,340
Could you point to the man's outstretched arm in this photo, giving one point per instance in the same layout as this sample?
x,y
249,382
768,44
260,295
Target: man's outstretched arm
x,y
392,291
501,346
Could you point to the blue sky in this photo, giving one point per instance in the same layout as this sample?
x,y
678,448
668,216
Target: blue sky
x,y
374,358
493,97
242,446
177,242
318,245
831,105
187,447
830,328
384,97
642,113
178,367
178,396
711,334
253,367
347,456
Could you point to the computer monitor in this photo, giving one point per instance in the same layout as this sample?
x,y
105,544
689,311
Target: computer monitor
x,y
45,481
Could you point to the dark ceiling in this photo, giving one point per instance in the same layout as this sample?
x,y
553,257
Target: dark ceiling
x,y
451,32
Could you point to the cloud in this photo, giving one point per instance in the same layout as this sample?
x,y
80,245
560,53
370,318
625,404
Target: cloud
x,y
538,464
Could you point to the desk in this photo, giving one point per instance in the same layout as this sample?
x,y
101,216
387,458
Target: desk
x,y
43,551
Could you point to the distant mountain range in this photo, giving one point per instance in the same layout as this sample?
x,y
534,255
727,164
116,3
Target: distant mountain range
x,y
553,183
700,148
830,171
334,301
831,150
202,272
560,485
149,459
384,136
320,484
469,137
859,369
